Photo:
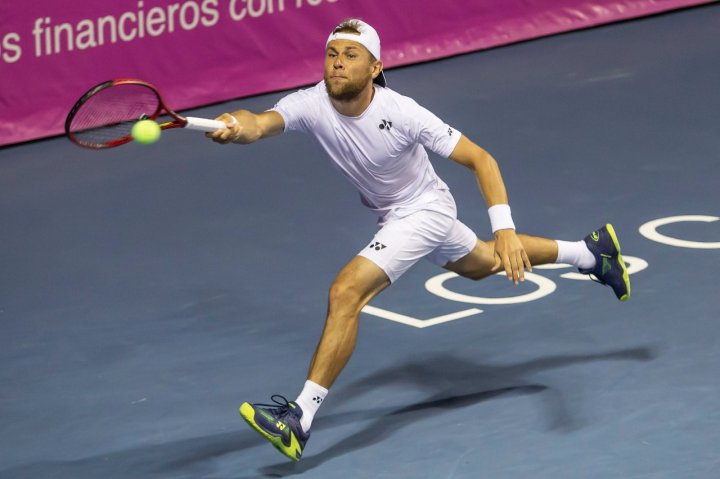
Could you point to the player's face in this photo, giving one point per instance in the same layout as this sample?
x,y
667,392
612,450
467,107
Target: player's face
x,y
348,69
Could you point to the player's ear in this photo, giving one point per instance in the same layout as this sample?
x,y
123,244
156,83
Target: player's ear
x,y
376,68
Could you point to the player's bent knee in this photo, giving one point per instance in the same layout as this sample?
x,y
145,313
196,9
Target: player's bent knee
x,y
477,265
344,294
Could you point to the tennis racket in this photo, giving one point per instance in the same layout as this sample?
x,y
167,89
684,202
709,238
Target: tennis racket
x,y
104,116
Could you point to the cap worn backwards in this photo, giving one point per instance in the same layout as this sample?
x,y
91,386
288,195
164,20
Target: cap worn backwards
x,y
368,38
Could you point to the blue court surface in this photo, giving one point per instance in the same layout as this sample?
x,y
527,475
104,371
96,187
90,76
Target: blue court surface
x,y
147,291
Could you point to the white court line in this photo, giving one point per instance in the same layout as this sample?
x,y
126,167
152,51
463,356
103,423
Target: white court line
x,y
649,230
419,323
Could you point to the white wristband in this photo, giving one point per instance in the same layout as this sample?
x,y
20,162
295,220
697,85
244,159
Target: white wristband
x,y
500,218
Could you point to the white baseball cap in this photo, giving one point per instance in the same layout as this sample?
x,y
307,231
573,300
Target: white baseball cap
x,y
368,38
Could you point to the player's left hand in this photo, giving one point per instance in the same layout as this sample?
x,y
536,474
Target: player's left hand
x,y
510,255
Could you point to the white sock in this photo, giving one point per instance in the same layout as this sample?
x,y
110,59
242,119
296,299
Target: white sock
x,y
309,400
575,253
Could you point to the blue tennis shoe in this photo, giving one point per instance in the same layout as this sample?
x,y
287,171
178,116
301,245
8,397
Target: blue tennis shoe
x,y
279,423
609,267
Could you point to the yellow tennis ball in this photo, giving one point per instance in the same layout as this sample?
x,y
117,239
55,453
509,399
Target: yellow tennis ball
x,y
145,132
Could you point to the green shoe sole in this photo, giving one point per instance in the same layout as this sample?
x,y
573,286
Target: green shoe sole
x,y
625,275
294,451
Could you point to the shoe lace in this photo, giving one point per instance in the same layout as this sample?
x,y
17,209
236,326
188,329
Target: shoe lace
x,y
281,406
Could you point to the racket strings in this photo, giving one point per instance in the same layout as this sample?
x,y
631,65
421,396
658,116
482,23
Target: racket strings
x,y
108,115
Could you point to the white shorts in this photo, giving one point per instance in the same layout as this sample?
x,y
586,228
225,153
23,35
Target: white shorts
x,y
407,236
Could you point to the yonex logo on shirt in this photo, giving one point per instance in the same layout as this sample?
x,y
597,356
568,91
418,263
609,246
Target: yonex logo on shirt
x,y
377,246
385,124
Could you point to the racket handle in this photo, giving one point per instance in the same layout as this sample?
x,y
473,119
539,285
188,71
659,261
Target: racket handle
x,y
203,124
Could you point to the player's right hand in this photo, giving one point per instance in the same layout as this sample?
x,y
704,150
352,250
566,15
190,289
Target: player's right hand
x,y
229,133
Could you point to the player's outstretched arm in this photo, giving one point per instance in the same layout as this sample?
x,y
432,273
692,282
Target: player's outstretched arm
x,y
246,127
509,250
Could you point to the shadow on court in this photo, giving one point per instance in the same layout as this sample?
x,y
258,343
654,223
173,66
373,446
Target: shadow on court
x,y
452,383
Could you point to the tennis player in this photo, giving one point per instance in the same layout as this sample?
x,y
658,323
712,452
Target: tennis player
x,y
378,138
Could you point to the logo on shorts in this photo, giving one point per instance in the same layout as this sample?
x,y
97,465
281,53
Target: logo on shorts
x,y
377,246
449,131
385,124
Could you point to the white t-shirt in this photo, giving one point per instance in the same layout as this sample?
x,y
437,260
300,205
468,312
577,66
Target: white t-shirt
x,y
381,151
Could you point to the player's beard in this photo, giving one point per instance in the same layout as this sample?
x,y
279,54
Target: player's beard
x,y
345,91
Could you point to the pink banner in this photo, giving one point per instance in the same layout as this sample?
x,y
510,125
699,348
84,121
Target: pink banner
x,y
204,51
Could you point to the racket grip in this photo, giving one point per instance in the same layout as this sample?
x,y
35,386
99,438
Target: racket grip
x,y
203,124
